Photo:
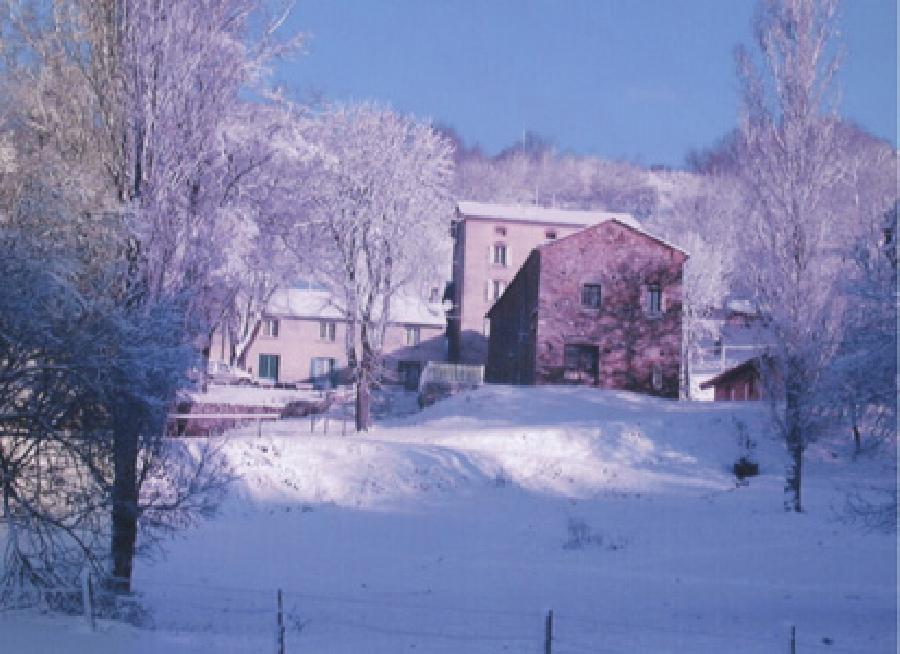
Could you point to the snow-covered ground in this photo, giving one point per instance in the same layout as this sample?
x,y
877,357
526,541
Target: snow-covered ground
x,y
456,529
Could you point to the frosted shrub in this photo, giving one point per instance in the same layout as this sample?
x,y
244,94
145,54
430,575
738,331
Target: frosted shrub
x,y
745,466
582,535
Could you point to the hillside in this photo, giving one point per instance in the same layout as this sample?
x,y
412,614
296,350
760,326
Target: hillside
x,y
456,529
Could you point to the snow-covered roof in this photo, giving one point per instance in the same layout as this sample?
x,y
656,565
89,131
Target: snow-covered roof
x,y
318,304
536,214
302,303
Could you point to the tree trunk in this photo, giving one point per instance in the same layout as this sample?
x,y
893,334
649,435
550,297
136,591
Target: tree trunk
x,y
124,505
363,397
364,379
854,423
794,437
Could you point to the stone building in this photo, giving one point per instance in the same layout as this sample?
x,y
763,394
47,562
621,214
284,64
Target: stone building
x,y
601,306
490,243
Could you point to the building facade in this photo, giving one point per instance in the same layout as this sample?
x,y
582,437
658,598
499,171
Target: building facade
x,y
302,338
601,306
490,244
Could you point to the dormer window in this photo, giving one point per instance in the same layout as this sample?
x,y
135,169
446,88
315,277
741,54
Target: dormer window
x,y
550,234
500,231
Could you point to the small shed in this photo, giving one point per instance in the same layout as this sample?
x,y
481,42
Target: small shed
x,y
740,383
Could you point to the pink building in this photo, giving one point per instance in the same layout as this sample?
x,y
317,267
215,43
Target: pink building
x,y
491,242
302,338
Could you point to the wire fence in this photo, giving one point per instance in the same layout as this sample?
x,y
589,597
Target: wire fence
x,y
293,620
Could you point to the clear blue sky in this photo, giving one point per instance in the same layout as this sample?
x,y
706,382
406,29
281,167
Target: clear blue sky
x,y
643,80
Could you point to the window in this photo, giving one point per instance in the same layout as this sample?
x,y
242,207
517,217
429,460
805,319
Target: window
x,y
413,335
408,373
550,234
654,299
581,363
497,288
322,372
270,328
500,231
498,254
327,330
268,366
591,296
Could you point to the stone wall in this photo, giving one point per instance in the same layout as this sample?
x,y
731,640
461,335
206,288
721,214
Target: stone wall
x,y
542,312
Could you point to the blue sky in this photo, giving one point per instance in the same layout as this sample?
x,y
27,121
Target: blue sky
x,y
642,80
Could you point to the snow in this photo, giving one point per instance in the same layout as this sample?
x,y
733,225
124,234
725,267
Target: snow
x,y
319,304
534,213
250,395
457,528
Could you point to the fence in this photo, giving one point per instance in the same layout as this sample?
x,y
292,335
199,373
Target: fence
x,y
451,373
214,423
295,621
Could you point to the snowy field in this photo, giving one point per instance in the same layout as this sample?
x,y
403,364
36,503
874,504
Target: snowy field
x,y
456,529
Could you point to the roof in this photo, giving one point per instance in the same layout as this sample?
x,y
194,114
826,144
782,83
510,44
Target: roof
x,y
536,214
631,223
750,365
319,304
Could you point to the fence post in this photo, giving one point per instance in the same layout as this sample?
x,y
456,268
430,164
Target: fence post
x,y
793,639
87,599
548,633
259,427
279,626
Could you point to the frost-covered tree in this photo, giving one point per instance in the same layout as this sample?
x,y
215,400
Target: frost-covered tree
x,y
701,221
372,223
68,356
119,107
533,172
266,151
864,373
790,161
